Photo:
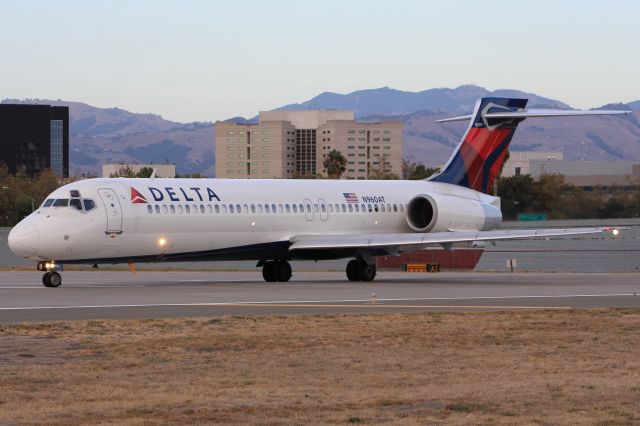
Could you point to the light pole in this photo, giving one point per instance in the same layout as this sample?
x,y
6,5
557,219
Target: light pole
x,y
33,202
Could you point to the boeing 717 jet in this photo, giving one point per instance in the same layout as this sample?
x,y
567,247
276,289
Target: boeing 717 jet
x,y
118,220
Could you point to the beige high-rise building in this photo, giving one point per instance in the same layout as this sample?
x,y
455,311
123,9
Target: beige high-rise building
x,y
287,144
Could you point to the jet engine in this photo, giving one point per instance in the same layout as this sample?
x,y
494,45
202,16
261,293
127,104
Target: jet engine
x,y
443,212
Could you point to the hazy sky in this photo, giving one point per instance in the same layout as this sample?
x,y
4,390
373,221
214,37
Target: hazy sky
x,y
208,60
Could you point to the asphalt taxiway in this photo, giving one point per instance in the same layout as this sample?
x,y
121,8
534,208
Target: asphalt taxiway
x,y
114,295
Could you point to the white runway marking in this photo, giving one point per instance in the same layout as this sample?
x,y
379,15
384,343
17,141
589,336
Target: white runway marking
x,y
310,302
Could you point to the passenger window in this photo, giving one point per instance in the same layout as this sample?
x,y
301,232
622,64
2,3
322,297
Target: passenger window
x,y
259,208
375,207
165,209
301,207
76,204
201,208
287,208
315,208
382,208
245,209
395,208
280,209
90,205
209,210
194,208
217,208
172,208
330,208
187,208
344,208
323,208
308,208
231,210
273,208
224,208
401,208
238,208
295,208
61,202
180,208
337,208
48,202
253,208
358,208
149,208
351,207
388,207
157,209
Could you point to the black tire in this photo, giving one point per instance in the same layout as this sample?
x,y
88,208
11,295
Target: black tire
x,y
45,280
367,272
269,271
55,280
353,269
283,271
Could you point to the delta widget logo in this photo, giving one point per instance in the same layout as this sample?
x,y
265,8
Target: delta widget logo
x,y
137,197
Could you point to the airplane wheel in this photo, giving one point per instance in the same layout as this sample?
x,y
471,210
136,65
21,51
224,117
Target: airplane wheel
x,y
45,280
367,272
55,280
352,270
269,271
283,271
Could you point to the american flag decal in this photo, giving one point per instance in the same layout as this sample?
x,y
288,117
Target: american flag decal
x,y
351,197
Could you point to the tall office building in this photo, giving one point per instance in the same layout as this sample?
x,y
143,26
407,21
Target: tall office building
x,y
286,144
35,137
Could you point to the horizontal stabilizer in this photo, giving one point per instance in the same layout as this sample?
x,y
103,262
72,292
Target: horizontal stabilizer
x,y
536,113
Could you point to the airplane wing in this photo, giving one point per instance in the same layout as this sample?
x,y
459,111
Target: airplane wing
x,y
413,241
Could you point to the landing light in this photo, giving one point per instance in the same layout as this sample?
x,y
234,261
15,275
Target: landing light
x,y
162,241
615,232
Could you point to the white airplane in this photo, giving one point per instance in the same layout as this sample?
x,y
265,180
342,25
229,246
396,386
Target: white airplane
x,y
121,220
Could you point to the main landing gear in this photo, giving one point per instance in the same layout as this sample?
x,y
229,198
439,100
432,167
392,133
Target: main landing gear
x,y
276,271
52,279
359,270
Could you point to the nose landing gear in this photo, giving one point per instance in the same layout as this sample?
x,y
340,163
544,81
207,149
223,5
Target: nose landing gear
x,y
51,278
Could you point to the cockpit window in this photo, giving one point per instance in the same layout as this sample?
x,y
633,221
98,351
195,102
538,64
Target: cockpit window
x,y
61,202
75,203
48,202
89,205
75,193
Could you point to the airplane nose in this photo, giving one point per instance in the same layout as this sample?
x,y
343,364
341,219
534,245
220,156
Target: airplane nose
x,y
24,239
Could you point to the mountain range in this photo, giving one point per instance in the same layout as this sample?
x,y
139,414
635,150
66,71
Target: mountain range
x,y
104,135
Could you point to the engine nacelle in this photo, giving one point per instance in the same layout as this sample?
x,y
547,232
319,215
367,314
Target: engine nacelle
x,y
441,212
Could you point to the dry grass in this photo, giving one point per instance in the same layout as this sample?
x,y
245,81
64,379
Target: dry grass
x,y
549,367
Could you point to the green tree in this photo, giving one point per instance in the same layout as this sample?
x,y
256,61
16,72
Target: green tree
x,y
127,172
417,171
516,194
381,173
335,164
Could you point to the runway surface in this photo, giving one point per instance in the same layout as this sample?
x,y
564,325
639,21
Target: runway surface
x,y
113,295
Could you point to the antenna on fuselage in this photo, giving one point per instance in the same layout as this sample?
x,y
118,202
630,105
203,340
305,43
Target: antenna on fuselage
x,y
153,173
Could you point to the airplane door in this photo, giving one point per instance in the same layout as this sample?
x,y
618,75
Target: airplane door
x,y
113,210
308,209
324,211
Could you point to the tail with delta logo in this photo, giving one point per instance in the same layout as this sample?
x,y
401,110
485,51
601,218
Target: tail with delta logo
x,y
479,157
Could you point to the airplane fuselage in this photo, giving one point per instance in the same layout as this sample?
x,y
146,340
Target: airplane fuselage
x,y
209,219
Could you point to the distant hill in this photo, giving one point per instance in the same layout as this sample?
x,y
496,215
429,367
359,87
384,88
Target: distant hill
x,y
107,135
101,135
389,101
